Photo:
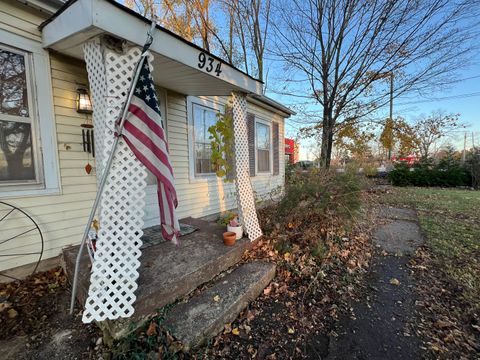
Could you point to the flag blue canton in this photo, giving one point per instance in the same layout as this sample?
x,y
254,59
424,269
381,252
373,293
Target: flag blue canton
x,y
145,89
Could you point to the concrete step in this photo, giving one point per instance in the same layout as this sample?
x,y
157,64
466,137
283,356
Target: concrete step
x,y
167,272
204,315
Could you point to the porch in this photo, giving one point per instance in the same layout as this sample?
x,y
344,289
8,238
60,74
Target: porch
x,y
167,272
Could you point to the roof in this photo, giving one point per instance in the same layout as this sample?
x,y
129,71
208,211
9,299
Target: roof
x,y
287,112
77,21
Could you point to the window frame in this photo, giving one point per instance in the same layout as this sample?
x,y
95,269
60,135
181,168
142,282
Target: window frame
x,y
270,155
40,102
209,105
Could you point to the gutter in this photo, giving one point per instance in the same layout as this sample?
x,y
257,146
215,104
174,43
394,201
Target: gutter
x,y
263,100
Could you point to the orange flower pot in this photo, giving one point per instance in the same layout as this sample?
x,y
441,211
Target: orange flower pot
x,y
229,238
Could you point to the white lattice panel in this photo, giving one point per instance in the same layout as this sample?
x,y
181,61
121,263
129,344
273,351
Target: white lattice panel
x,y
245,199
114,271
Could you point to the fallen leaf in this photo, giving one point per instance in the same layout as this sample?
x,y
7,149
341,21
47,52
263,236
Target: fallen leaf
x,y
267,290
236,331
4,306
394,281
227,328
216,298
12,313
291,331
152,329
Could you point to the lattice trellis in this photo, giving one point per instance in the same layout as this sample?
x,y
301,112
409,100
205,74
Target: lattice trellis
x,y
114,271
245,199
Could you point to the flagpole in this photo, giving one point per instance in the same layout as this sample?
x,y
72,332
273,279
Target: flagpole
x,y
118,129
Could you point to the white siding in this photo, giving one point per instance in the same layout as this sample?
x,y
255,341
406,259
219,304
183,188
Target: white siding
x,y
61,217
201,197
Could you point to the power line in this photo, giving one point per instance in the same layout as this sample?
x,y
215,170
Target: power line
x,y
459,96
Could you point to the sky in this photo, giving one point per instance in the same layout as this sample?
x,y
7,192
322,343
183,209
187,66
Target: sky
x,y
463,97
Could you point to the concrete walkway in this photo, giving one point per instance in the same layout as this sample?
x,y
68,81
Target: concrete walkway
x,y
381,324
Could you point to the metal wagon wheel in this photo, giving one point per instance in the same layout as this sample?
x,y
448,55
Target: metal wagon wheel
x,y
11,215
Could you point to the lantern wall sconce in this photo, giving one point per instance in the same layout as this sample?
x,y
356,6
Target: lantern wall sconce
x,y
84,103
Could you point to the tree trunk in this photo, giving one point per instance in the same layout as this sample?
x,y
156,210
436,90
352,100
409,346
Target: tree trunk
x,y
327,139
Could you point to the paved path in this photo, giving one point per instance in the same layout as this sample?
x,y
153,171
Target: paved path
x,y
380,326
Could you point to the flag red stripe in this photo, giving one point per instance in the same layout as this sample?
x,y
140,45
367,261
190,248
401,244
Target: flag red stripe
x,y
147,141
153,169
157,129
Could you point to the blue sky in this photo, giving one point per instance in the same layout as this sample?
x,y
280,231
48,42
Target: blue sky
x,y
463,97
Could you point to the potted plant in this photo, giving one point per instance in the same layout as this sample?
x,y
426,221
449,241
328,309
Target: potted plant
x,y
235,227
229,238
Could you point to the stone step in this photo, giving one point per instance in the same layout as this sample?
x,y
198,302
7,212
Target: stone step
x,y
204,315
167,272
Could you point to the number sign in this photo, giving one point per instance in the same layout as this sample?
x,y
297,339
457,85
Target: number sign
x,y
208,63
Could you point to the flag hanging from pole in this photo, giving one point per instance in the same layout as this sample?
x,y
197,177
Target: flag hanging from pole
x,y
144,133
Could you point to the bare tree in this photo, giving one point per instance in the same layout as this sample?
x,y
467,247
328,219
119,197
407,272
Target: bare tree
x,y
341,53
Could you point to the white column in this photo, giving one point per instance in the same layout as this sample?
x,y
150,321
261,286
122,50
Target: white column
x,y
243,185
114,271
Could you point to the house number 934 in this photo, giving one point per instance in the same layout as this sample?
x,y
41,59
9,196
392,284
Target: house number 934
x,y
209,64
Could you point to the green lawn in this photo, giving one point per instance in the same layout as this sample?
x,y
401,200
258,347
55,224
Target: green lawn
x,y
450,221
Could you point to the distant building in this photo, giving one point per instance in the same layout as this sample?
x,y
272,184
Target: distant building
x,y
291,151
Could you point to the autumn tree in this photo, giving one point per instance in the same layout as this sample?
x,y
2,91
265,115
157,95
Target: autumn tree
x,y
429,129
354,140
188,18
339,56
398,134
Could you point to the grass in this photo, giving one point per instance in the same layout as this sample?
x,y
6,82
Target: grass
x,y
449,219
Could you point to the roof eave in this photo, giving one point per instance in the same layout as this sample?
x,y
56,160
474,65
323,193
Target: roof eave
x,y
80,20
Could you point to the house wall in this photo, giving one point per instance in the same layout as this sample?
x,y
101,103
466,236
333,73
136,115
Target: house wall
x,y
62,216
201,197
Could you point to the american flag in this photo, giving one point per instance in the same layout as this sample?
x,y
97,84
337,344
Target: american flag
x,y
145,135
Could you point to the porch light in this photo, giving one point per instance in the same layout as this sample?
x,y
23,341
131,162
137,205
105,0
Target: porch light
x,y
84,104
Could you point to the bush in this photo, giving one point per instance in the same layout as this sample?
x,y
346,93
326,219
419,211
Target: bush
x,y
448,172
370,170
314,202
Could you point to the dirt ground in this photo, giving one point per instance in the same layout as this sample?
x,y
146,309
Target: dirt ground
x,y
36,323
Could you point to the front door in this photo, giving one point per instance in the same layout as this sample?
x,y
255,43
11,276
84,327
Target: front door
x,y
152,212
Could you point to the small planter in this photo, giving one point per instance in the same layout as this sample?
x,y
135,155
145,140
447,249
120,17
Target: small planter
x,y
238,230
229,238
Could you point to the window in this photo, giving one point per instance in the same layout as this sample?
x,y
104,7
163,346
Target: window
x,y
263,143
19,163
203,118
28,142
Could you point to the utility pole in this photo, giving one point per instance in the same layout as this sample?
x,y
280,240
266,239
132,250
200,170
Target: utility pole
x,y
391,110
464,147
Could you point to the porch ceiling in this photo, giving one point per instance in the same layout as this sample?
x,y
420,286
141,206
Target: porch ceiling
x,y
176,64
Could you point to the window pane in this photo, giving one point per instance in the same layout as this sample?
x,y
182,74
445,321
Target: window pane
x,y
16,154
198,126
210,119
263,136
202,119
13,84
263,157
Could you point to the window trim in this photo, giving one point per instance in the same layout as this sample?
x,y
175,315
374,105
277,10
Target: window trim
x,y
209,104
44,139
270,158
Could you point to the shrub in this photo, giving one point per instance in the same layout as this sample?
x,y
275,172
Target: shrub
x,y
370,170
448,172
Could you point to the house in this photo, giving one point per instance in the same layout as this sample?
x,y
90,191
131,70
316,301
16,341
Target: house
x,y
44,160
292,150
